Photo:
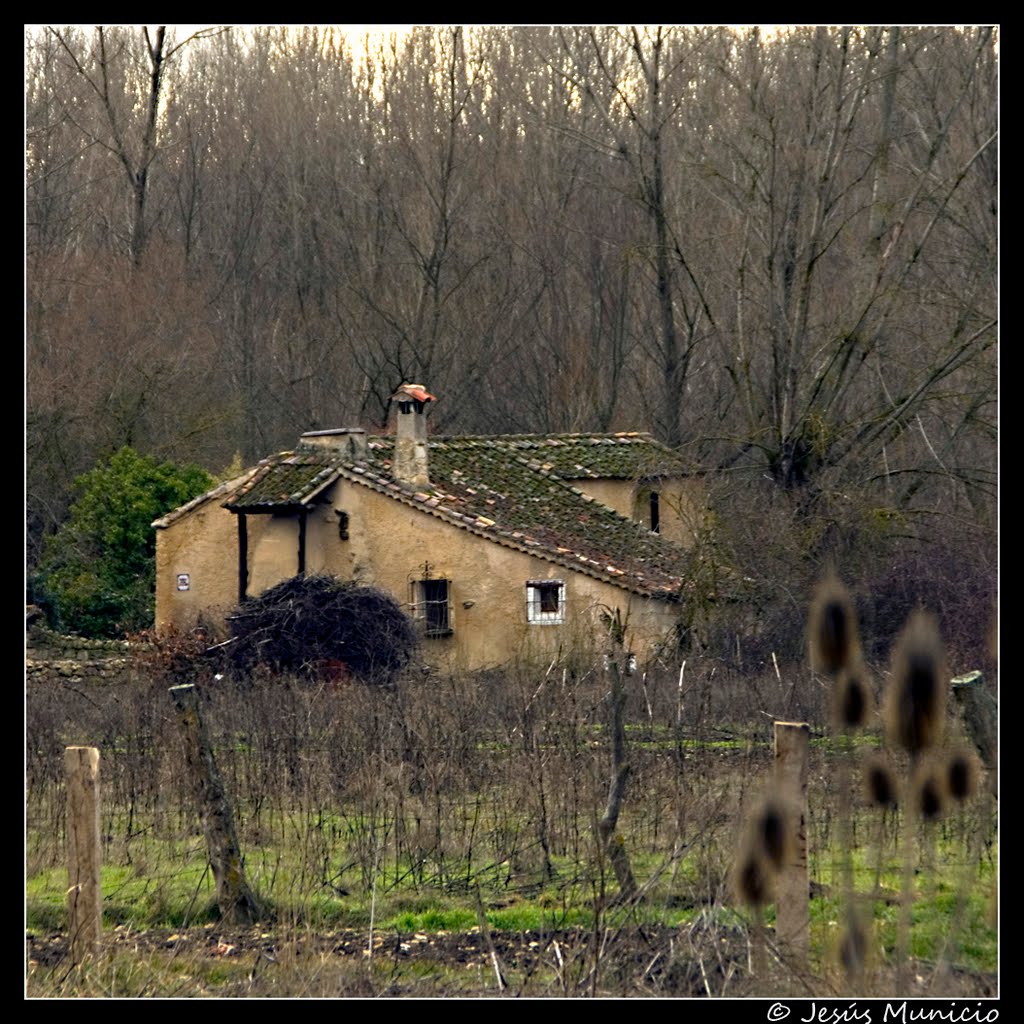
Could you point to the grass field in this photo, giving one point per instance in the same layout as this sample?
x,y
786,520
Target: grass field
x,y
441,839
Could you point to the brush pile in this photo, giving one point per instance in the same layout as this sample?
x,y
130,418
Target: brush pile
x,y
322,627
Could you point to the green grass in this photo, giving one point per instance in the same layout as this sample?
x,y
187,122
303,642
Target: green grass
x,y
436,919
154,881
170,897
951,916
413,865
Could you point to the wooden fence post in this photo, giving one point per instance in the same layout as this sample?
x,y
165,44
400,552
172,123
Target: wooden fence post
x,y
793,912
981,715
235,899
85,897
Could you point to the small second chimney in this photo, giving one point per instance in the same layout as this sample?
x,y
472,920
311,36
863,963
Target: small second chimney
x,y
409,465
351,441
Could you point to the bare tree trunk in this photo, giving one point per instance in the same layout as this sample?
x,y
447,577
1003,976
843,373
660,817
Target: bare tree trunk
x,y
879,208
613,843
111,84
235,899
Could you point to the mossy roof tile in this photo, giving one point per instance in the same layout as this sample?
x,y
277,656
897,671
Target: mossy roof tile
x,y
285,481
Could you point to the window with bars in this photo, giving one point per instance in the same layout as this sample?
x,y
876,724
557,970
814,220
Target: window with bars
x,y
545,602
432,608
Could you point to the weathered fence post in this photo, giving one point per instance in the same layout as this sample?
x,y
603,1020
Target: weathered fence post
x,y
981,715
235,899
85,897
793,914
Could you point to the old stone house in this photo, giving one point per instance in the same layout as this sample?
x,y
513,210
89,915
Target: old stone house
x,y
501,547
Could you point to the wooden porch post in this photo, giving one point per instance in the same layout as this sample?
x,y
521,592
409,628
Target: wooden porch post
x,y
243,558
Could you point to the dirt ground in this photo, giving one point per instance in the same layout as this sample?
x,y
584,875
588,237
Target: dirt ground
x,y
699,961
644,961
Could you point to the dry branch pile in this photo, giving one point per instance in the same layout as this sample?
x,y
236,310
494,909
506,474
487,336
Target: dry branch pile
x,y
323,627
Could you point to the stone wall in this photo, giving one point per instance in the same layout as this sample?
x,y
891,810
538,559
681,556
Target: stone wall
x,y
73,658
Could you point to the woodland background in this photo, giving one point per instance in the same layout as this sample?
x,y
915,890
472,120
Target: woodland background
x,y
776,251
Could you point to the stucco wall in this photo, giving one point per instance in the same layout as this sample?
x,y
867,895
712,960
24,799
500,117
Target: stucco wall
x,y
203,545
273,545
488,593
680,504
391,545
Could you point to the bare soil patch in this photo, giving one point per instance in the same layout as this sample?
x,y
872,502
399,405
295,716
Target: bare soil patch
x,y
697,961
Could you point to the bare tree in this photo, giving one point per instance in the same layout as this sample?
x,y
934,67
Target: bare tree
x,y
638,80
777,250
127,92
829,357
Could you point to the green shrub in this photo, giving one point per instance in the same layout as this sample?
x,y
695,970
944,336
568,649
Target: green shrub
x,y
98,571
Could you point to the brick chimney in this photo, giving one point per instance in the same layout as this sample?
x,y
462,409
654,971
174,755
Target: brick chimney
x,y
409,465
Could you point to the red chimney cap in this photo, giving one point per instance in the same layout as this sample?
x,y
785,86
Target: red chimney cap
x,y
415,391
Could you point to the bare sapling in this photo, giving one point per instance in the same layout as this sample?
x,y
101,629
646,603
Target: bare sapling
x,y
235,899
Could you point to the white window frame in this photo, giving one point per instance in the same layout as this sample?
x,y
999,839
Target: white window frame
x,y
535,614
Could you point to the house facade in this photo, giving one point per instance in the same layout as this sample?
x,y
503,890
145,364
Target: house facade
x,y
501,548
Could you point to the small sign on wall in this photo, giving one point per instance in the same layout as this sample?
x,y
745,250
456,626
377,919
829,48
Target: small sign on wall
x,y
183,581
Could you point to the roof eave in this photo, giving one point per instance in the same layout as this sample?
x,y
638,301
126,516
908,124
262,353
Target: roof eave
x,y
296,501
221,489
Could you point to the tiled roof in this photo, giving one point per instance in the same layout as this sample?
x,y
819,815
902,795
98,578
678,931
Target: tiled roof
x,y
595,456
287,480
512,489
227,487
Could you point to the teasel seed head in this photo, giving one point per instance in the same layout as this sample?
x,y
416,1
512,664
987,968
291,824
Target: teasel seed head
x,y
852,697
930,790
752,880
766,849
852,948
962,773
771,833
832,627
880,781
916,694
